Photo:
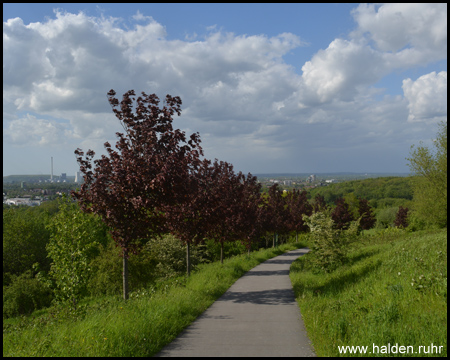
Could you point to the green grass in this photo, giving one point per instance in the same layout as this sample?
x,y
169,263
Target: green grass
x,y
393,290
141,326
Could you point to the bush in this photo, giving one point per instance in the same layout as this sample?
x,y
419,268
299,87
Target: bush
x,y
24,295
386,217
329,247
159,258
229,249
170,255
106,277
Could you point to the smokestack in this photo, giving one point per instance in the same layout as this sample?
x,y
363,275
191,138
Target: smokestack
x,y
51,176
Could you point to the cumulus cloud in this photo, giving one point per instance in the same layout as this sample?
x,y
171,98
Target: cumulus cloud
x,y
427,97
404,35
237,90
32,131
395,26
340,70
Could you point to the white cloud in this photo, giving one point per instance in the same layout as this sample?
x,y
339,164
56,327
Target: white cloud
x,y
30,130
237,91
427,97
411,34
339,71
395,26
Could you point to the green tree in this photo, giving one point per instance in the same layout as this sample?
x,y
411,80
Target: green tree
x,y
74,240
24,239
329,247
430,182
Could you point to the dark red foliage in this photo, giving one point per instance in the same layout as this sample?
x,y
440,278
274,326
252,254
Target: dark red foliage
x,y
298,205
368,218
276,213
401,219
341,215
319,203
149,170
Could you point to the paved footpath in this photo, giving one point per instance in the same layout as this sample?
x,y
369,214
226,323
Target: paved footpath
x,y
256,316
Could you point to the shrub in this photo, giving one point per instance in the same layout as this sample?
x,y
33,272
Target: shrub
x,y
170,255
386,217
24,295
329,244
106,277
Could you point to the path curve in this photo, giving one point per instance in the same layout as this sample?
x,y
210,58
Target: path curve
x,y
257,316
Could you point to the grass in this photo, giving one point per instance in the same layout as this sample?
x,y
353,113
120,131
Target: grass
x,y
141,326
392,290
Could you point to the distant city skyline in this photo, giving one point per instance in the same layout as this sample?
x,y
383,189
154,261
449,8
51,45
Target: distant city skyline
x,y
271,88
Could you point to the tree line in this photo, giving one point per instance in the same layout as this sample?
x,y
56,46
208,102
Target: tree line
x,y
156,182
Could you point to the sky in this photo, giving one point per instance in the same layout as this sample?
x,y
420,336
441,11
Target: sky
x,y
271,88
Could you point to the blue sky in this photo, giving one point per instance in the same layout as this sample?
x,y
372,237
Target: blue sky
x,y
269,87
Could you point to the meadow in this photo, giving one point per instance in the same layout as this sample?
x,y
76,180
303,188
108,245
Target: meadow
x,y
392,290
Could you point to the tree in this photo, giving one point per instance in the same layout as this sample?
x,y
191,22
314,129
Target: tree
x,y
329,248
319,203
130,187
250,219
341,215
430,183
276,213
187,218
401,219
367,217
24,239
298,205
224,192
75,237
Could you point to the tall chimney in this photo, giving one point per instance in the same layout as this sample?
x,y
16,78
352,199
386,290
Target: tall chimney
x,y
51,176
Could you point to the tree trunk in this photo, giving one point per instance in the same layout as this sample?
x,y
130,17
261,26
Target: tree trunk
x,y
125,275
188,259
221,252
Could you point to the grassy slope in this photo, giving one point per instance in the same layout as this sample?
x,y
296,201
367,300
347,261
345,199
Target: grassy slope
x,y
392,291
138,327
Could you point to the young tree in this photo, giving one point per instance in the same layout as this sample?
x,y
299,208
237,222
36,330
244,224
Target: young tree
x,y
75,237
223,188
319,203
430,184
401,219
130,187
249,221
365,212
276,213
298,205
341,215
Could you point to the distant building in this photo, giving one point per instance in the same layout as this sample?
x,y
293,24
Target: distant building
x,y
22,201
63,177
78,177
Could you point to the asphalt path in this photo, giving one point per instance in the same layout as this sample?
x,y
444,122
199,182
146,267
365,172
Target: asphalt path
x,y
256,316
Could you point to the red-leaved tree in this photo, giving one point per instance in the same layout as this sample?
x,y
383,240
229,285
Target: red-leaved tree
x,y
367,217
401,218
150,170
341,214
319,203
276,213
297,205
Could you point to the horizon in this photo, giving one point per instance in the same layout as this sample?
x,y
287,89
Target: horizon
x,y
268,174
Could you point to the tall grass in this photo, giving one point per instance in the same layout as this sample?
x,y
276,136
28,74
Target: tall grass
x,y
141,326
393,290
